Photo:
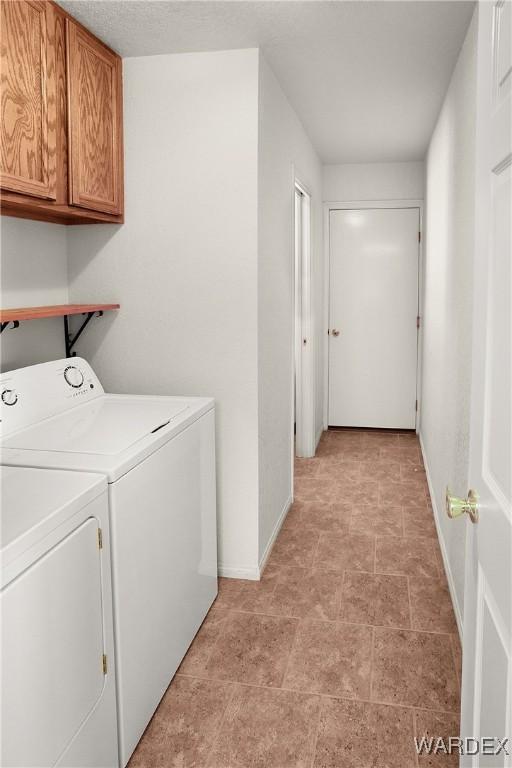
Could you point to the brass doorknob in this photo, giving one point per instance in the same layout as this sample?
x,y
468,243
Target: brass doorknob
x,y
335,332
455,506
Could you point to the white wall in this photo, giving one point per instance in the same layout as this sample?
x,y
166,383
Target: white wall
x,y
184,265
448,304
33,270
202,268
283,149
373,181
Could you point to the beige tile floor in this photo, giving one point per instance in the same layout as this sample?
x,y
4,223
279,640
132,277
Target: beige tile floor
x,y
345,650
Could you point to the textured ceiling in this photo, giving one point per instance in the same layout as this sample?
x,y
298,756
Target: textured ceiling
x,y
366,78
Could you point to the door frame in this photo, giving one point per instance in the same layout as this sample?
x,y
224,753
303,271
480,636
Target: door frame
x,y
351,205
305,445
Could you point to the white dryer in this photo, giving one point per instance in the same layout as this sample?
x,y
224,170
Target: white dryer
x,y
158,455
57,651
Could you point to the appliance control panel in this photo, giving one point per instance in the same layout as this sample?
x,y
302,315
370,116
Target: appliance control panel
x,y
28,395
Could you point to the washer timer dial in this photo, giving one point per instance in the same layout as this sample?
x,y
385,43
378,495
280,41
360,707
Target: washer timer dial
x,y
74,376
9,397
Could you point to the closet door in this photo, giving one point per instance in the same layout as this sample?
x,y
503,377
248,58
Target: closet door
x,y
94,123
28,98
373,308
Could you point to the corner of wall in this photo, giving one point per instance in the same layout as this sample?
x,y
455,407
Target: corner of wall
x,y
283,146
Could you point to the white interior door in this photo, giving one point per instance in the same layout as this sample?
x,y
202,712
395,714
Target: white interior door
x,y
297,416
487,676
373,308
304,347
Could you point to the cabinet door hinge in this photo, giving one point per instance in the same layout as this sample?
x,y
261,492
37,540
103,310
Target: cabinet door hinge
x,y
417,321
104,664
416,406
100,538
419,237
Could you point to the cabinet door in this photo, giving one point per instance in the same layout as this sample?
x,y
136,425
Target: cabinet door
x,y
94,123
28,98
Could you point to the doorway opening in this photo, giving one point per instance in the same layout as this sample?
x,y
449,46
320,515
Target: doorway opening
x,y
303,351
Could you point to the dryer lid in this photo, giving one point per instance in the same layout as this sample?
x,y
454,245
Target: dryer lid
x,y
106,426
36,501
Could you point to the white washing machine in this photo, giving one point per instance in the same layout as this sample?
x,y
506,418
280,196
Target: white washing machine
x,y
57,652
158,455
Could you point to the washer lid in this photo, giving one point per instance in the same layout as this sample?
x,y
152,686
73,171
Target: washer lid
x,y
106,426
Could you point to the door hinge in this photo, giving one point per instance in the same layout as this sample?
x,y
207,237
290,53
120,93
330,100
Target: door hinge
x,y
100,538
419,237
418,320
416,406
104,664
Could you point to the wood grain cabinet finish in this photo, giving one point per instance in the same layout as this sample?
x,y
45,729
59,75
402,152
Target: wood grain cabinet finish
x,y
94,123
28,98
61,136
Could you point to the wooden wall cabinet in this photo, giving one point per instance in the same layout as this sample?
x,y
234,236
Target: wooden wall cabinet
x,y
28,98
94,125
61,128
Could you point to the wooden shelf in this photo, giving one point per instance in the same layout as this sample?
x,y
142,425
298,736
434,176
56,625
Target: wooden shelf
x,y
15,316
57,310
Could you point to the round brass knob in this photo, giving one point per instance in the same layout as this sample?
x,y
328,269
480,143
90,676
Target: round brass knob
x,y
455,506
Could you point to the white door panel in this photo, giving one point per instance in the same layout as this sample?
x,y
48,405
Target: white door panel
x,y
52,649
373,305
487,667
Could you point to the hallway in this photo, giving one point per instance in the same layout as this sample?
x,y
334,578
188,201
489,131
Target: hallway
x,y
345,650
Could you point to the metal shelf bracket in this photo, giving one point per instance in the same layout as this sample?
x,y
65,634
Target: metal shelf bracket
x,y
70,339
15,324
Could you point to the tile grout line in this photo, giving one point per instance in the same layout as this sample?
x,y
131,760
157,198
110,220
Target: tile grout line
x,y
314,740
410,602
288,660
221,722
393,627
371,663
339,697
224,626
315,552
393,574
339,598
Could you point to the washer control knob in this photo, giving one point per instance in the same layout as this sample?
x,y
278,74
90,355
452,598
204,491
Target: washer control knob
x,y
9,397
74,376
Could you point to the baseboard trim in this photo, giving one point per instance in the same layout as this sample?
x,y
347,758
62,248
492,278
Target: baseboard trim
x,y
273,536
254,574
318,436
236,572
444,553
